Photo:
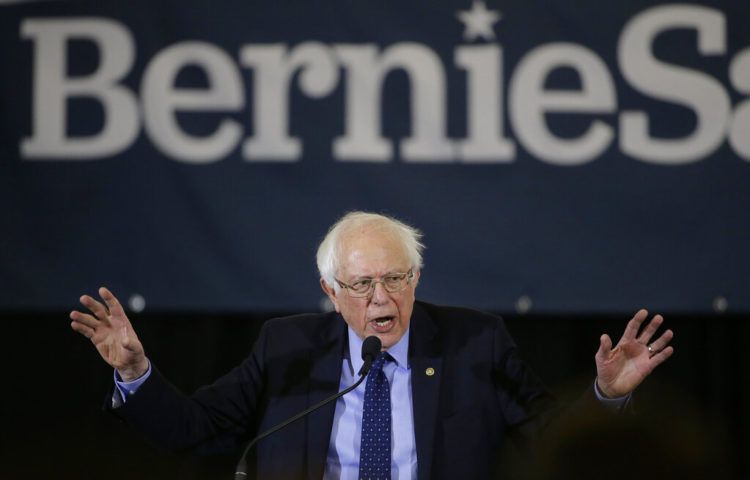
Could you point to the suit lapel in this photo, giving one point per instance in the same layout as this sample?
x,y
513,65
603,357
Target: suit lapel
x,y
325,376
426,372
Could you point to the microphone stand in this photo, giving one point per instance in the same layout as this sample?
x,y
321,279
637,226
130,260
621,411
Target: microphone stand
x,y
241,470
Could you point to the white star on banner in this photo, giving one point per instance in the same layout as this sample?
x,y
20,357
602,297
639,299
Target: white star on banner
x,y
478,21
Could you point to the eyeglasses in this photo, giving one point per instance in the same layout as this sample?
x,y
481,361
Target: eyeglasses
x,y
393,283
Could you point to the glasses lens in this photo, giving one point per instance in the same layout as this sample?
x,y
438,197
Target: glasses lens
x,y
360,288
392,283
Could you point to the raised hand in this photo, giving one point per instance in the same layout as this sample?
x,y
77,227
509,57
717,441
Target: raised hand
x,y
110,331
621,369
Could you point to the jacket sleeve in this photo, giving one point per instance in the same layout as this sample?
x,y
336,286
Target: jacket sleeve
x,y
530,410
216,418
528,407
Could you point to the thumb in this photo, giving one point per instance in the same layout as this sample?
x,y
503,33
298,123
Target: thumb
x,y
125,340
605,346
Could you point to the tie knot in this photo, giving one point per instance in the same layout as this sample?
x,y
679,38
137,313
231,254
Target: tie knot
x,y
377,365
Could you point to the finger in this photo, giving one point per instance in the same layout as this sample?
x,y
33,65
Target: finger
x,y
660,357
112,303
84,330
650,329
96,307
129,341
605,346
661,342
85,319
634,325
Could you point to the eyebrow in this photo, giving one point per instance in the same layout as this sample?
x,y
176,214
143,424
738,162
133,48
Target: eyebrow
x,y
367,277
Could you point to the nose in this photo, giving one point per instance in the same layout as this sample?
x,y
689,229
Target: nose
x,y
379,294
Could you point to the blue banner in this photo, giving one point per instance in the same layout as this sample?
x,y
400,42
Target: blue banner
x,y
559,156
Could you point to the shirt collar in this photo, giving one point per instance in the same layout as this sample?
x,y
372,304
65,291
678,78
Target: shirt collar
x,y
399,351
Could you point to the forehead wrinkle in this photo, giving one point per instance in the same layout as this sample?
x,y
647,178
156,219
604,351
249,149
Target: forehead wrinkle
x,y
379,244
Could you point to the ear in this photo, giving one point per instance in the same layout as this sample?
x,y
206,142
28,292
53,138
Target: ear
x,y
331,292
417,274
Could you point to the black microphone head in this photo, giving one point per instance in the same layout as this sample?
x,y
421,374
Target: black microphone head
x,y
371,348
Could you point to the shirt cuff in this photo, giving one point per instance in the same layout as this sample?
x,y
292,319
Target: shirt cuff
x,y
617,403
126,389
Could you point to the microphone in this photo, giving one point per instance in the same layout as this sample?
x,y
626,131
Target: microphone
x,y
370,350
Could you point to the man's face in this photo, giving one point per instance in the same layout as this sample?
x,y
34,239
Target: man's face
x,y
373,254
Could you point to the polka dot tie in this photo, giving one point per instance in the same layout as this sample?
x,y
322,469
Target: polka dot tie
x,y
375,450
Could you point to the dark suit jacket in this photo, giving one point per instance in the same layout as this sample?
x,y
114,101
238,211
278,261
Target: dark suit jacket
x,y
480,394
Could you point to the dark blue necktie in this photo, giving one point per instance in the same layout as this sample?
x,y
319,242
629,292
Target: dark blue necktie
x,y
375,449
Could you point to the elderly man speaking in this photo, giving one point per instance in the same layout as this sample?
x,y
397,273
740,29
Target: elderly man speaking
x,y
440,399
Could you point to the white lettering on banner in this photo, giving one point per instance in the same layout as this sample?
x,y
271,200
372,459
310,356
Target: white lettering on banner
x,y
366,73
52,88
360,70
696,90
485,142
739,132
273,68
161,100
529,102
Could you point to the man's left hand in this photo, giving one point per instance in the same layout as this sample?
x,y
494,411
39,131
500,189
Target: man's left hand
x,y
621,369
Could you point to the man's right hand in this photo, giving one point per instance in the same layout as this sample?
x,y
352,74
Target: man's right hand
x,y
110,331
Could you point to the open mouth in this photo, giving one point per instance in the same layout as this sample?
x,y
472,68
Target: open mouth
x,y
383,324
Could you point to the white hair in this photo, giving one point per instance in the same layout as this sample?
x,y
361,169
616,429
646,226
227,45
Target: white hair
x,y
329,249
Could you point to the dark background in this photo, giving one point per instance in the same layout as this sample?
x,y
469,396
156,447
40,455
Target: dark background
x,y
54,388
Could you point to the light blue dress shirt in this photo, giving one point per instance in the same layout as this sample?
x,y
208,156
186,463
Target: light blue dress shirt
x,y
343,448
126,389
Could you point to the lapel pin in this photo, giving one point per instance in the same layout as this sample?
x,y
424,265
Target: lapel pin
x,y
430,371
